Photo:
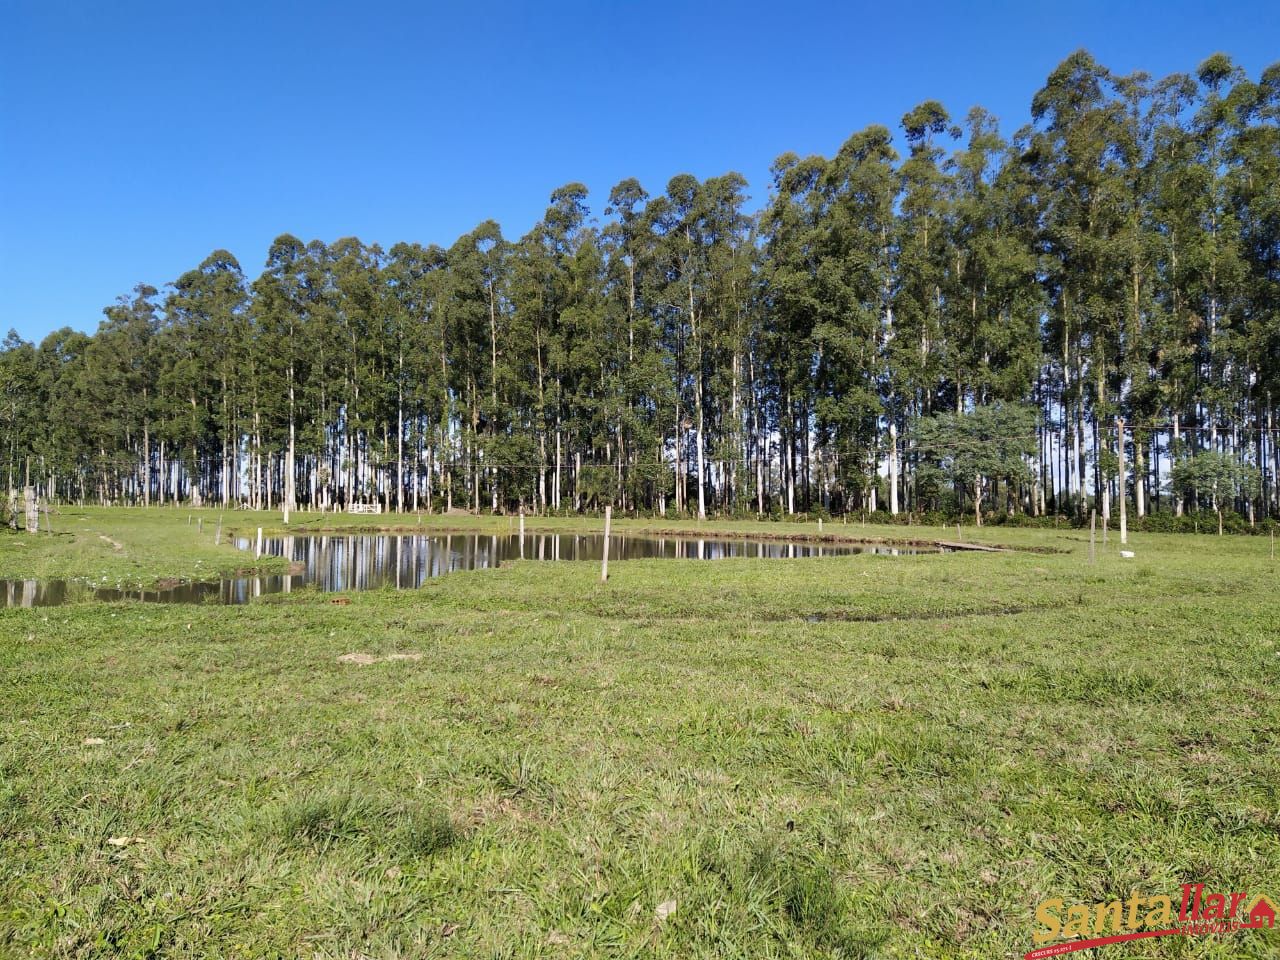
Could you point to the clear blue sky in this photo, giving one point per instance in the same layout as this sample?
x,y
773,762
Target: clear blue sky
x,y
137,137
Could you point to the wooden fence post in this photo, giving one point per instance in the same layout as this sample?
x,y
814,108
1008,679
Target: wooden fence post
x,y
608,522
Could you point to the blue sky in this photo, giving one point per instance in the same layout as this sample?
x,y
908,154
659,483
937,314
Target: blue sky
x,y
137,137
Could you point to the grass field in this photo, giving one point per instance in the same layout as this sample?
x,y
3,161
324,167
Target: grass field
x,y
859,756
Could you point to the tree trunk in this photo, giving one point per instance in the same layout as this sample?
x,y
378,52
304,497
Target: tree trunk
x,y
1177,437
893,468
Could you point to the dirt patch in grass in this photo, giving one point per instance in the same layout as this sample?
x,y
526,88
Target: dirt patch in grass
x,y
368,659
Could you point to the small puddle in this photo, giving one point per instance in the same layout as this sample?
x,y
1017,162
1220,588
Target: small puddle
x,y
404,561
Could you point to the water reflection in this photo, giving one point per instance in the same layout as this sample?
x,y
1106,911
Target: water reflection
x,y
375,561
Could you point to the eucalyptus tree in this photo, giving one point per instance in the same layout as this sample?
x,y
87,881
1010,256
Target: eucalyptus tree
x,y
494,252
1076,160
207,344
642,387
993,313
728,289
1218,285
1254,188
541,290
19,416
473,312
279,365
532,324
702,294
430,387
1174,204
794,290
119,379
678,294
1149,108
54,416
918,353
358,306
858,329
994,301
409,276
1203,310
590,334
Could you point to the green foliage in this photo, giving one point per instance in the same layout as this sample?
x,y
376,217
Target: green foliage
x,y
681,350
1215,477
982,445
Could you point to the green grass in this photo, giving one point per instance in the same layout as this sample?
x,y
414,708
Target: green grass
x,y
856,756
127,548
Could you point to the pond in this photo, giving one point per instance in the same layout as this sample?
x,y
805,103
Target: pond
x,y
403,561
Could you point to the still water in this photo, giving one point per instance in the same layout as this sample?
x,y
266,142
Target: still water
x,y
376,561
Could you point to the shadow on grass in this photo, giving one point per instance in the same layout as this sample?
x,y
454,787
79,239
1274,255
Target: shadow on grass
x,y
795,885
328,817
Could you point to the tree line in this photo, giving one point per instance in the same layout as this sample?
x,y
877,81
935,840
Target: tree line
x,y
961,327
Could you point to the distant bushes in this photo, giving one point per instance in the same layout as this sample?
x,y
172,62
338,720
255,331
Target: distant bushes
x,y
1203,521
1164,521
